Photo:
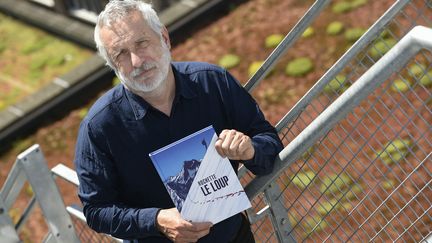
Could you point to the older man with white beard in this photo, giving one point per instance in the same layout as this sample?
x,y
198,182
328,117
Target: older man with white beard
x,y
157,103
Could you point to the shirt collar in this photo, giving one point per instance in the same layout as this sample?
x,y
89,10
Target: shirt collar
x,y
183,88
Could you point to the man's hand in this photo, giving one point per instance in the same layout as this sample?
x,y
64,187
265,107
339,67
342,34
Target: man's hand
x,y
235,145
177,229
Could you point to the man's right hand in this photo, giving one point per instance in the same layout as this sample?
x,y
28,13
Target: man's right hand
x,y
171,224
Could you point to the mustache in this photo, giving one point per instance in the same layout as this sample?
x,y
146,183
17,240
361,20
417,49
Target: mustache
x,y
145,67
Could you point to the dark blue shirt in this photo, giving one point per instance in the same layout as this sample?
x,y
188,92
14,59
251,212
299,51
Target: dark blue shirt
x,y
120,189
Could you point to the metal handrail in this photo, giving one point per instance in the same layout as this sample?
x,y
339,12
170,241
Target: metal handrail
x,y
286,43
417,39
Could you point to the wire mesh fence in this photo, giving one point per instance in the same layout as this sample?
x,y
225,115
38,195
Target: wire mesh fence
x,y
368,178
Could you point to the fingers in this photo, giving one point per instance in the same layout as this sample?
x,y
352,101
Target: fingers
x,y
235,145
177,229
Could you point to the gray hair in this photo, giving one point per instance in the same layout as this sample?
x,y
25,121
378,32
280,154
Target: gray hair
x,y
114,11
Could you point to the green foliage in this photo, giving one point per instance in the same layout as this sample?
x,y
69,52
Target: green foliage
x,y
31,46
354,34
426,80
341,7
273,41
336,84
38,62
308,32
358,3
253,68
381,47
400,85
2,47
389,184
416,70
334,184
395,150
335,28
303,179
326,207
55,61
299,67
229,61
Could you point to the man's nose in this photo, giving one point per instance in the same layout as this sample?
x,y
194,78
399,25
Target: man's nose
x,y
136,59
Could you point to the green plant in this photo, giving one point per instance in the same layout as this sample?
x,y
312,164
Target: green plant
x,y
336,84
308,32
353,34
400,85
303,179
253,68
358,3
229,61
334,28
326,207
2,47
395,150
299,67
341,7
381,47
273,41
416,70
334,184
116,81
426,80
55,61
314,224
31,46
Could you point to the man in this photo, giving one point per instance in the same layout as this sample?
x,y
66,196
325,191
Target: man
x,y
158,103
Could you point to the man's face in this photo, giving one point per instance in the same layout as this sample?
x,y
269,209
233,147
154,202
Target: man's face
x,y
140,55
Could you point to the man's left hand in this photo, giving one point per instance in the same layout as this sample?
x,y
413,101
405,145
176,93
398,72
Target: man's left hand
x,y
235,145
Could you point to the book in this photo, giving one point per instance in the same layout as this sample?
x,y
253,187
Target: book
x,y
201,183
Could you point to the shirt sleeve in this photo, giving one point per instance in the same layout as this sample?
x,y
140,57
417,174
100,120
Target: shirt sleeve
x,y
99,193
249,119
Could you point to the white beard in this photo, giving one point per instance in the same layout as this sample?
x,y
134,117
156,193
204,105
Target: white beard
x,y
146,86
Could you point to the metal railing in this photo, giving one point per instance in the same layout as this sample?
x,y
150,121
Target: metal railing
x,y
343,186
357,165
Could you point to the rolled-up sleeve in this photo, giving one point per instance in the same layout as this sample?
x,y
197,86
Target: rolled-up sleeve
x,y
99,193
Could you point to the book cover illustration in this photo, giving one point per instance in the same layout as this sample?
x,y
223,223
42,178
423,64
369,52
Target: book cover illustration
x,y
202,184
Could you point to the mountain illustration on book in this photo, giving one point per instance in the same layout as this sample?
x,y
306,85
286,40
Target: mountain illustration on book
x,y
178,186
202,184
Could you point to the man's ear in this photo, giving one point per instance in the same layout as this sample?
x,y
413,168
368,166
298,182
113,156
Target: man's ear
x,y
165,37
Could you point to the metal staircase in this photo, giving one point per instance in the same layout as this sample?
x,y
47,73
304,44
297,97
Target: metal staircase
x,y
357,165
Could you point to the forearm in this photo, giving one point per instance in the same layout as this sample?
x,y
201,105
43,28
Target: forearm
x,y
122,222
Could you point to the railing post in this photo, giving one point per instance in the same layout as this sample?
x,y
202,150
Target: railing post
x,y
7,229
279,214
47,195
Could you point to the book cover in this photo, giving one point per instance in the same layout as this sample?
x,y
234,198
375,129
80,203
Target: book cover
x,y
201,183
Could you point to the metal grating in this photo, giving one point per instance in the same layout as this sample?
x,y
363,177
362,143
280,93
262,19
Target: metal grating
x,y
368,178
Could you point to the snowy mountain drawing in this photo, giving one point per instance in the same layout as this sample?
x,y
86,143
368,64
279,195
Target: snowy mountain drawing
x,y
178,186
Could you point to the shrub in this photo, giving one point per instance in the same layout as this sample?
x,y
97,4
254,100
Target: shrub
x,y
341,7
358,3
354,34
381,47
273,41
336,84
400,85
416,70
334,183
308,32
299,67
303,179
229,61
395,150
253,67
334,28
426,80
